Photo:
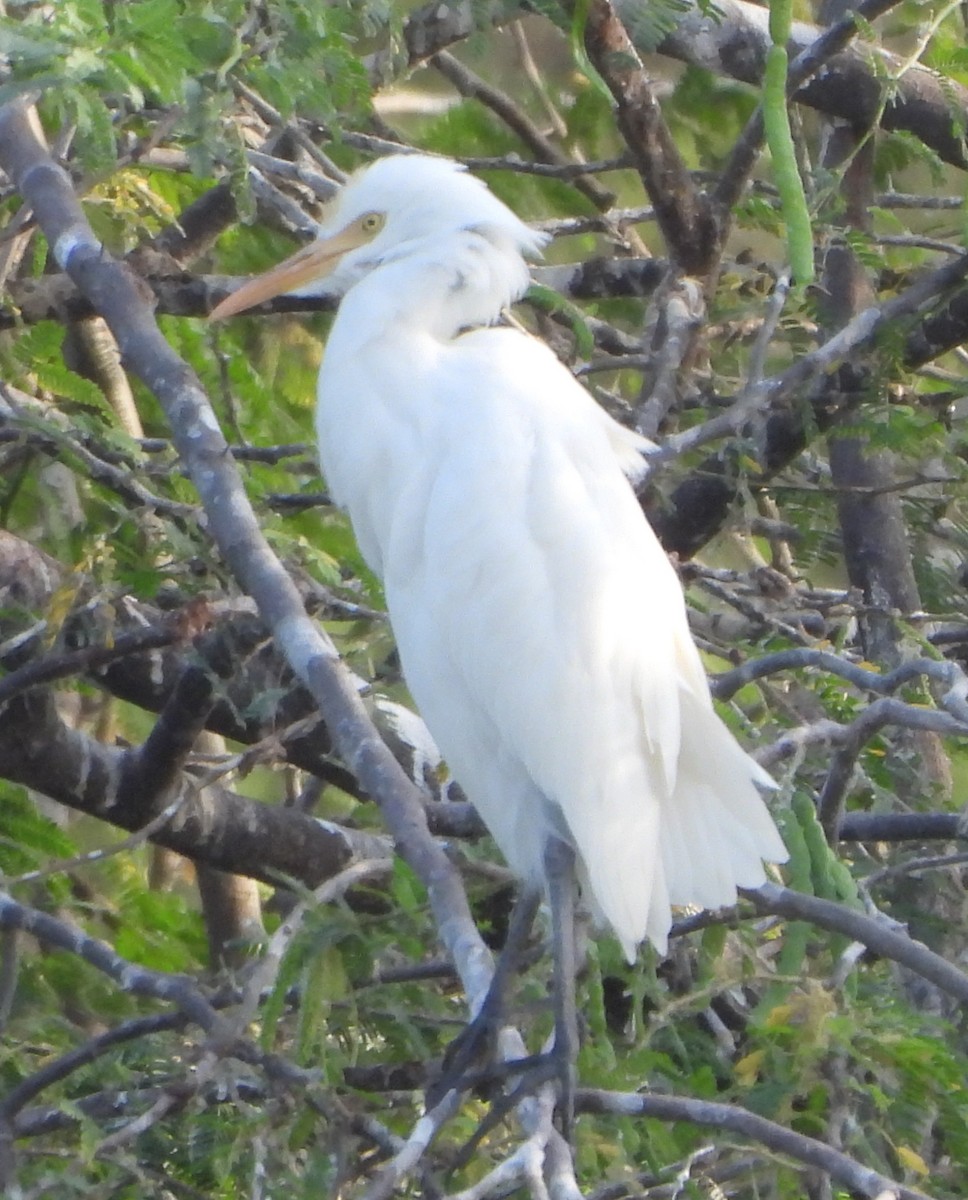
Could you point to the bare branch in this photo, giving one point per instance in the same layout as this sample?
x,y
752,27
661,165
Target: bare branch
x,y
119,297
140,981
949,674
472,86
687,220
903,826
155,768
225,830
733,1119
172,632
883,937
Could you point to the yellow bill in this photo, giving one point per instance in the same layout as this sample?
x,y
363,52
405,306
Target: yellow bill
x,y
312,262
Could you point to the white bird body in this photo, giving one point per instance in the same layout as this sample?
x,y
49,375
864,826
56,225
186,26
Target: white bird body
x,y
541,629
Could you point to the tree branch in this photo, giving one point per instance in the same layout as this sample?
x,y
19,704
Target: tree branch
x,y
686,218
222,829
883,937
120,298
733,1119
140,981
700,504
732,42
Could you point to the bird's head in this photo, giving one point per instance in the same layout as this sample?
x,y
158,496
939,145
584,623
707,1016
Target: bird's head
x,y
384,212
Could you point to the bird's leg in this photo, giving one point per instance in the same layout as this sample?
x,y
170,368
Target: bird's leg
x,y
559,862
467,1047
533,1072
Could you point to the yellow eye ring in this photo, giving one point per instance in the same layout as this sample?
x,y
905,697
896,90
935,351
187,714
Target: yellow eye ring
x,y
372,222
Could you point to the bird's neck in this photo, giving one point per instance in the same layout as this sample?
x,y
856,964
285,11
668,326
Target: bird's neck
x,y
439,287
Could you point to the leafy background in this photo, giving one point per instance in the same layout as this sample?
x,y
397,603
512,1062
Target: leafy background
x,y
154,104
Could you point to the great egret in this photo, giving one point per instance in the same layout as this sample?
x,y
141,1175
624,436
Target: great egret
x,y
541,629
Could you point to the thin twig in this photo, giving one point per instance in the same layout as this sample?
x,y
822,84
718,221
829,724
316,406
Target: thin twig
x,y
471,85
91,658
130,977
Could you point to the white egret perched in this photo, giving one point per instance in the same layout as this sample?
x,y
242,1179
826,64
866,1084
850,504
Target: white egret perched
x,y
541,629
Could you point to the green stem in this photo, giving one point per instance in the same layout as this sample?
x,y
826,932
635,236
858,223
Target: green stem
x,y
776,123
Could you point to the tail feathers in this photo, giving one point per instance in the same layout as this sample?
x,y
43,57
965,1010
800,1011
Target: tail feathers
x,y
617,834
694,846
627,889
717,830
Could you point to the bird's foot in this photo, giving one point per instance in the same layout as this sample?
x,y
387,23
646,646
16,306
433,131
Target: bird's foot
x,y
556,1065
552,1066
472,1046
530,1074
475,1043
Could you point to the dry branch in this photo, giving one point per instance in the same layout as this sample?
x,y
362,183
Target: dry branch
x,y
122,300
732,42
883,937
686,218
733,1119
220,828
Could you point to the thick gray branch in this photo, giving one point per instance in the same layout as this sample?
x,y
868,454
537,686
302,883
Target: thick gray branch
x,y
730,1118
731,40
212,826
885,938
125,303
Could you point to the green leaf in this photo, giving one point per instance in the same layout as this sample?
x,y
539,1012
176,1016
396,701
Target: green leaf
x,y
28,840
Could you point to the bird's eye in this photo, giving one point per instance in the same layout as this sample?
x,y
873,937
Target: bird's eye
x,y
371,223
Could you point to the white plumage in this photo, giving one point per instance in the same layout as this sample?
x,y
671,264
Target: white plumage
x,y
541,628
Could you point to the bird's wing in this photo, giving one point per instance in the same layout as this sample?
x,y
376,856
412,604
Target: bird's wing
x,y
544,636
630,448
